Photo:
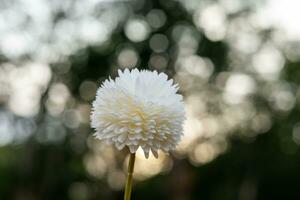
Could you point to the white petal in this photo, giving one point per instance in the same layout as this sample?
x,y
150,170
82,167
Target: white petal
x,y
146,151
120,145
133,148
154,152
122,138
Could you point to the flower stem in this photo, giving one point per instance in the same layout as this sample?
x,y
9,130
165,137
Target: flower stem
x,y
128,184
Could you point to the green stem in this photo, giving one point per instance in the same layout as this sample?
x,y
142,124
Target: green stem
x,y
128,184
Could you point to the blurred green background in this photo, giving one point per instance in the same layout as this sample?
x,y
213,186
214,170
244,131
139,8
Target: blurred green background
x,y
238,66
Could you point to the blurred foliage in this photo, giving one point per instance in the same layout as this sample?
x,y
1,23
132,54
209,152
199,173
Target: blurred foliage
x,y
240,80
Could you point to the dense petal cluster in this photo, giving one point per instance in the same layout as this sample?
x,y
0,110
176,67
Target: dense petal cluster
x,y
139,109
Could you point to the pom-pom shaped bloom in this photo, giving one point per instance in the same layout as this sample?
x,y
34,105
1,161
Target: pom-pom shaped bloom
x,y
139,109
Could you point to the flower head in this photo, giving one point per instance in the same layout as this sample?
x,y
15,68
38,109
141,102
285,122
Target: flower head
x,y
139,109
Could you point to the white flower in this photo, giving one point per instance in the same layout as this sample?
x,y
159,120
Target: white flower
x,y
139,109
